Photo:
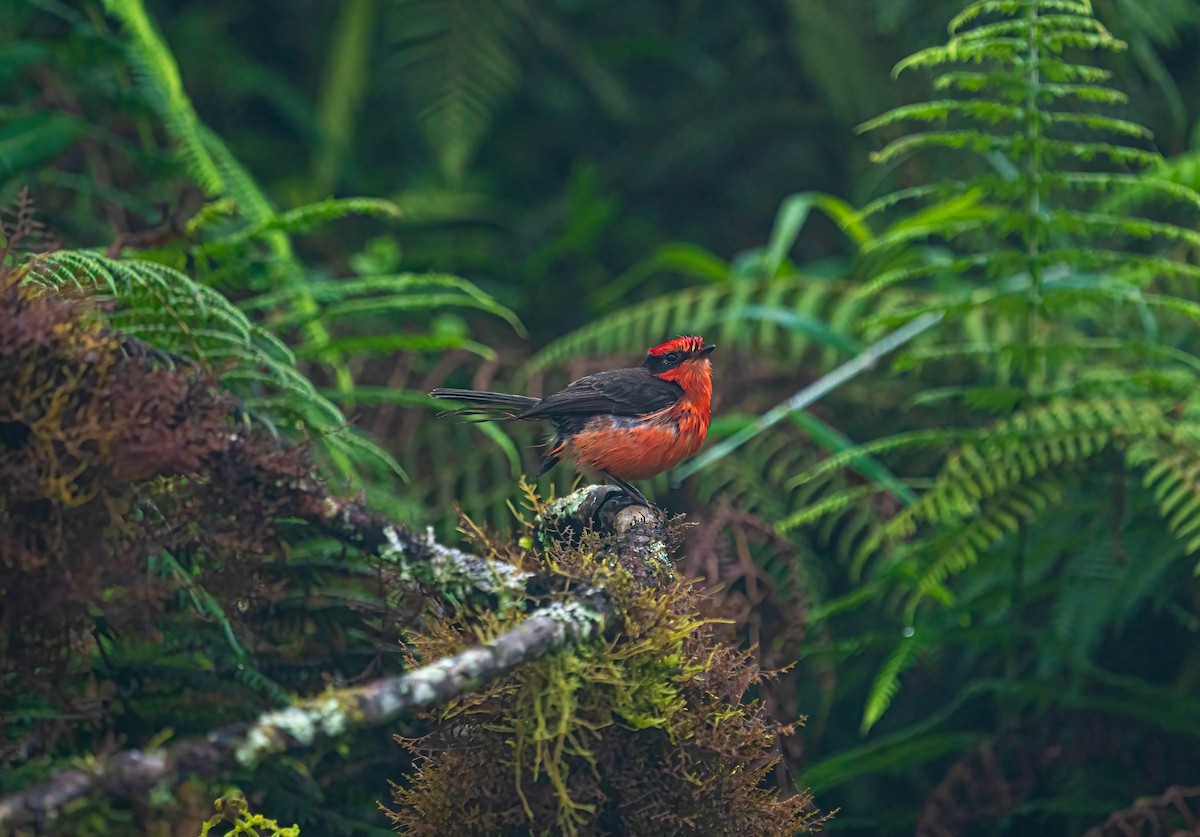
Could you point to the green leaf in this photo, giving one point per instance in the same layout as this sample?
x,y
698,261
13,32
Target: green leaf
x,y
961,51
458,63
887,681
31,141
985,111
792,215
793,320
160,78
978,142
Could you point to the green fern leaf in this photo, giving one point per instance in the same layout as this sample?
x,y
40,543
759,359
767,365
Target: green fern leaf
x,y
159,75
887,681
977,142
459,66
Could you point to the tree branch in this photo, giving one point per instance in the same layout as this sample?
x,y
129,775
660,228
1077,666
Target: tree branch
x,y
417,559
552,628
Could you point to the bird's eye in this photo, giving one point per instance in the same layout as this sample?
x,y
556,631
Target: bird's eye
x,y
672,357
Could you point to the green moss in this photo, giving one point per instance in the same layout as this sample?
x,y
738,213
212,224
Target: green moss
x,y
645,729
233,809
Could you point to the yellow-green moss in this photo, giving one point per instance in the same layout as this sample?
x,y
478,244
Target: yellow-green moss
x,y
645,729
234,810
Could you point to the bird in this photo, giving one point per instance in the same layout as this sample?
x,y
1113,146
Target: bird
x,y
625,424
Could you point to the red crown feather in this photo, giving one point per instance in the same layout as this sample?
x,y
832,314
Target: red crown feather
x,y
679,344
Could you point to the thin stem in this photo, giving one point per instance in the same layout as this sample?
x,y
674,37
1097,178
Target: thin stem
x,y
1033,183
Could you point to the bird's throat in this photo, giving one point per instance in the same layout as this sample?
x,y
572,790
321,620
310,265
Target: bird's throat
x,y
695,379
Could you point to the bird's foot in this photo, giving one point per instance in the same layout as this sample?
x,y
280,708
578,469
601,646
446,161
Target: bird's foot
x,y
614,501
636,496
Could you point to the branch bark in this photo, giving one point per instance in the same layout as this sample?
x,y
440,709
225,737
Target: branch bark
x,y
552,628
419,559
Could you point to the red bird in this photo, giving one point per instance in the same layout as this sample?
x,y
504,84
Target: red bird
x,y
627,424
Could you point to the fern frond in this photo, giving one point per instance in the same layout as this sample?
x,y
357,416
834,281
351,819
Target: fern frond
x,y
172,312
833,504
405,291
1061,24
757,481
1059,40
1085,93
1117,182
631,330
1004,513
1003,476
976,81
240,187
1173,479
160,79
304,219
887,681
1121,155
1058,353
914,193
459,66
1099,122
910,439
978,142
897,237
1105,579
975,10
1182,171
889,278
991,113
1110,224
958,51
1084,258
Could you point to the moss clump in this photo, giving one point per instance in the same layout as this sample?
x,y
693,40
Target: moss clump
x,y
233,810
646,731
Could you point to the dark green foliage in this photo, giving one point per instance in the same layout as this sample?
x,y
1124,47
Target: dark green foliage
x,y
1043,537
980,554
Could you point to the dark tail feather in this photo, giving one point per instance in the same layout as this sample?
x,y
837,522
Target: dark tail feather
x,y
485,406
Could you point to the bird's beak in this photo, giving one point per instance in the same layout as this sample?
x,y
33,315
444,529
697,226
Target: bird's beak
x,y
707,350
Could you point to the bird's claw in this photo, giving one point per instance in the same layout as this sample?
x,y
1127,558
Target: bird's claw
x,y
616,499
636,496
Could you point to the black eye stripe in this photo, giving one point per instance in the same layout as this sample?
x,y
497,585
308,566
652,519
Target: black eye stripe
x,y
661,363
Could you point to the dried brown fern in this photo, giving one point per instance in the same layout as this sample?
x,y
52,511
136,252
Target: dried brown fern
x,y
768,613
1173,814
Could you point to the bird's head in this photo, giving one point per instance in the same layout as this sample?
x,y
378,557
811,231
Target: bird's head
x,y
683,360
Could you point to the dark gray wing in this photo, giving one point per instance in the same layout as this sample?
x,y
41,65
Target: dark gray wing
x,y
621,392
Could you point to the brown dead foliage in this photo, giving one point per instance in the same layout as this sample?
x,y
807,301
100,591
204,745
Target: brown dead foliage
x,y
110,455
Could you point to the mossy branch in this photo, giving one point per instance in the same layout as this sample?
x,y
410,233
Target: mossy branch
x,y
417,558
331,715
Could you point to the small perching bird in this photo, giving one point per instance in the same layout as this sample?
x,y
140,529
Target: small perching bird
x,y
625,424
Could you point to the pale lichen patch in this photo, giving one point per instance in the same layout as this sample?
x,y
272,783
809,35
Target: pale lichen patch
x,y
456,573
